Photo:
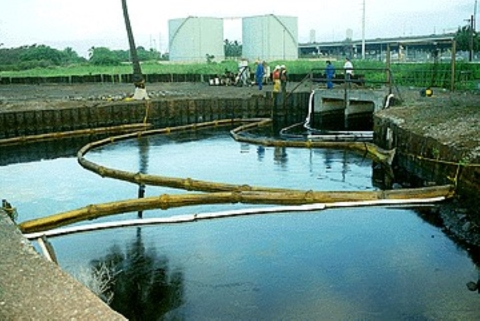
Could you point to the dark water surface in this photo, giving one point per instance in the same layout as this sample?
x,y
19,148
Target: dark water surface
x,y
369,263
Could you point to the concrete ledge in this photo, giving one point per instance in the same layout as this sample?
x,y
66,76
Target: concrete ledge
x,y
32,288
351,100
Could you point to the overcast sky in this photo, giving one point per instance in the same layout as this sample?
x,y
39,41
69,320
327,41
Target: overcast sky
x,y
86,23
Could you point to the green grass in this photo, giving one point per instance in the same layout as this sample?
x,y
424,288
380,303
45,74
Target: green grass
x,y
408,74
300,66
147,68
296,67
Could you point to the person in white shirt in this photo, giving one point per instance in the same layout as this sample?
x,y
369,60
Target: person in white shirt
x,y
140,91
348,67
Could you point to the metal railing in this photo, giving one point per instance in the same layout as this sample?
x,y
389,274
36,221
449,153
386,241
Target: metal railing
x,y
362,78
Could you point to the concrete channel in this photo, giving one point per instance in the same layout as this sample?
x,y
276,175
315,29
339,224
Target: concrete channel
x,y
33,288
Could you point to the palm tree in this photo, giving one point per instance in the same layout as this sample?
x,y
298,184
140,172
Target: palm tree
x,y
137,71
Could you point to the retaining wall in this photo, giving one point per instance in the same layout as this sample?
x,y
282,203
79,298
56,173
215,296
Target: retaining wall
x,y
418,155
162,113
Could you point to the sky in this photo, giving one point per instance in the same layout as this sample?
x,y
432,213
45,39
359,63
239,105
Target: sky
x,y
86,23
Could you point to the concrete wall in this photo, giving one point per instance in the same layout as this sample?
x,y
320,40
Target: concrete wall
x,y
417,153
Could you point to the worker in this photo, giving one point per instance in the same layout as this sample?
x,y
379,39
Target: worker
x,y
140,90
243,72
276,79
348,67
329,74
267,73
283,78
259,72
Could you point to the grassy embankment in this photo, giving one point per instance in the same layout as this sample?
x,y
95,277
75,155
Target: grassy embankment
x,y
404,74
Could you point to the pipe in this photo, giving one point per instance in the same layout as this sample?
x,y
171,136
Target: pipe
x,y
387,102
310,110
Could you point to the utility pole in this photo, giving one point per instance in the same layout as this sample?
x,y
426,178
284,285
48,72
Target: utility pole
x,y
472,26
363,31
475,17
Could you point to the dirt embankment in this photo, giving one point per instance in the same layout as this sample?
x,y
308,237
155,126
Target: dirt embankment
x,y
48,96
450,118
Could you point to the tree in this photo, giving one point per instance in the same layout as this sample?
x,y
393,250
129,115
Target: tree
x,y
137,71
10,58
147,55
36,56
42,53
232,49
102,56
122,55
70,56
463,37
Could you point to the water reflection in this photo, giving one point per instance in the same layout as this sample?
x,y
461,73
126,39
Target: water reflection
x,y
474,253
280,155
475,285
436,216
50,149
244,148
143,149
260,153
382,176
144,287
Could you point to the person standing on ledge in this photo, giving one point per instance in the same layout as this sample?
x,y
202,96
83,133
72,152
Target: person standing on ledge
x,y
276,79
283,79
259,72
329,74
348,67
243,72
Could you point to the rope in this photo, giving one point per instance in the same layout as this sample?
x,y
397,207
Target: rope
x,y
460,163
147,108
